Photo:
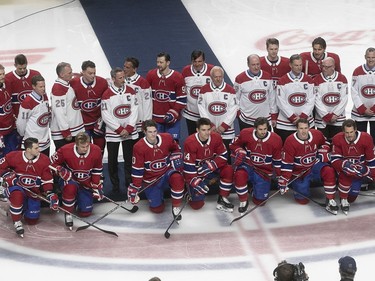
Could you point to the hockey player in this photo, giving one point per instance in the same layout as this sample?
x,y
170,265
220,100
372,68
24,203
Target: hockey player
x,y
196,75
295,99
34,115
142,89
157,162
331,98
168,96
255,94
80,167
305,156
89,89
67,119
218,103
23,171
353,158
119,113
8,133
347,268
362,92
257,157
19,81
274,64
205,160
312,61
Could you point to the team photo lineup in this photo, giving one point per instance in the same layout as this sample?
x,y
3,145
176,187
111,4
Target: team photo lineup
x,y
280,127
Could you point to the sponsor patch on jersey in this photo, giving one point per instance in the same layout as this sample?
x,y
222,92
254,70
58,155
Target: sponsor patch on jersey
x,y
331,99
257,96
217,108
297,99
122,111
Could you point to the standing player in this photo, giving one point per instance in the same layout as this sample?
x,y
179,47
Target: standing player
x,y
89,89
353,158
34,115
331,98
142,89
19,81
66,120
8,133
295,99
157,161
312,61
274,64
23,171
363,89
257,154
255,94
80,168
119,113
168,96
205,159
305,157
196,75
217,102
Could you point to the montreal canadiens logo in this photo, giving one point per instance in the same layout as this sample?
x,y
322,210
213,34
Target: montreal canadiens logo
x,y
75,104
89,105
162,96
7,107
194,91
122,111
257,159
27,181
257,96
297,99
43,120
308,160
22,95
157,166
217,108
331,99
81,175
368,91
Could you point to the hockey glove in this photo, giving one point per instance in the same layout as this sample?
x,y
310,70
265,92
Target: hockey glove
x,y
349,168
240,156
9,178
99,128
133,194
97,191
176,161
171,116
361,170
283,185
53,201
199,186
207,168
64,173
324,153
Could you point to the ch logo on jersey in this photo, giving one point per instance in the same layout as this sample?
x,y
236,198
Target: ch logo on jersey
x,y
43,120
89,105
122,111
308,160
194,91
75,104
81,175
28,181
217,108
257,96
22,95
331,99
157,165
297,99
257,159
7,107
368,91
162,96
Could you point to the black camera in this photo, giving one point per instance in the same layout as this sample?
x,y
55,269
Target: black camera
x,y
290,272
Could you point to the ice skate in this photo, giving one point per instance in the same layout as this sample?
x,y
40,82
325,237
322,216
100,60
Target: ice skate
x,y
19,228
69,221
331,206
243,207
175,212
345,206
223,204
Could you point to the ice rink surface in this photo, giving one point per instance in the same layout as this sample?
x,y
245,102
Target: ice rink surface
x,y
204,246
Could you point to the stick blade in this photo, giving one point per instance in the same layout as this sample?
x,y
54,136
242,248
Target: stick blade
x,y
167,235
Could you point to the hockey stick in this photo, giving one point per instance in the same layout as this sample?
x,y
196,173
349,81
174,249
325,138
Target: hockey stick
x,y
309,198
257,206
187,199
132,210
73,215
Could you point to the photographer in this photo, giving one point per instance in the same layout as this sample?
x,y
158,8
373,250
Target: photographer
x,y
290,272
